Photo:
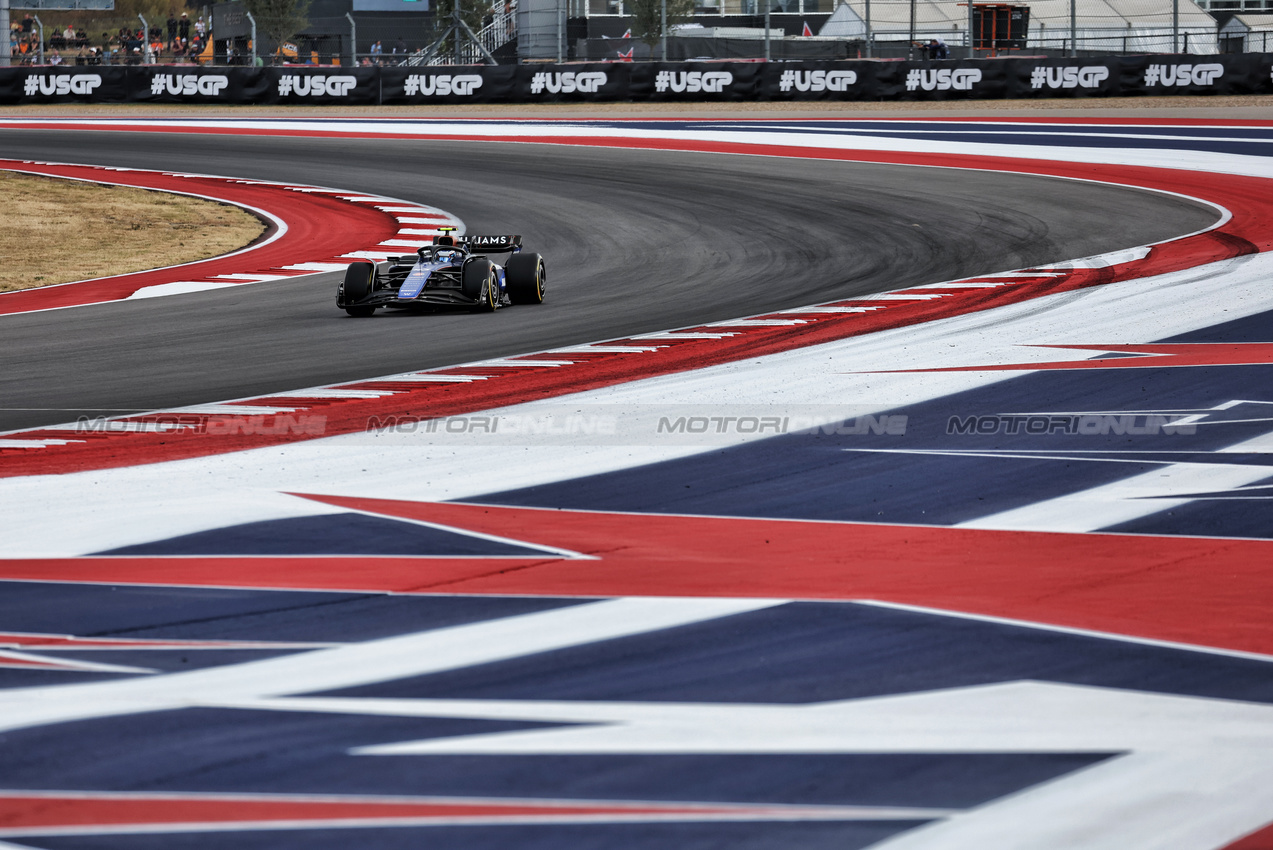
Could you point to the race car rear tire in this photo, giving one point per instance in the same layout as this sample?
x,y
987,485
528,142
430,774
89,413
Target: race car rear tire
x,y
360,280
524,275
477,281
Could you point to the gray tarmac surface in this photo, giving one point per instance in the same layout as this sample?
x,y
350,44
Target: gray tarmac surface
x,y
635,241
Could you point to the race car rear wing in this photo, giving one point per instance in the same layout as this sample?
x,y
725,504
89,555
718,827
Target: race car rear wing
x,y
491,244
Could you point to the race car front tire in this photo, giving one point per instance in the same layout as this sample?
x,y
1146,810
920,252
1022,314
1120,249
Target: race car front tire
x,y
360,279
525,275
477,281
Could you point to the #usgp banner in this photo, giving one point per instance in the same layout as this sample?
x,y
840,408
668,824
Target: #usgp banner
x,y
983,79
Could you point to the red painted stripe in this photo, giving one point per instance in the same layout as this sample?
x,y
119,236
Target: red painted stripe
x,y
1161,588
319,226
34,812
1261,839
17,662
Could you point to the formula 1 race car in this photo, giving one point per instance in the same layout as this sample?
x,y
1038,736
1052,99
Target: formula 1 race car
x,y
454,271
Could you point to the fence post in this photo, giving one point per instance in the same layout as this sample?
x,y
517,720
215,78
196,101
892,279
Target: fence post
x,y
252,21
4,28
972,44
353,39
663,28
40,26
767,3
1175,26
868,29
1074,29
145,41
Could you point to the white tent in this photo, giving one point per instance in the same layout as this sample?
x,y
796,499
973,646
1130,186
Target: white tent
x,y
1104,25
1245,33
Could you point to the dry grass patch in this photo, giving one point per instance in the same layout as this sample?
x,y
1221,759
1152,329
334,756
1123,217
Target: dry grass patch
x,y
58,231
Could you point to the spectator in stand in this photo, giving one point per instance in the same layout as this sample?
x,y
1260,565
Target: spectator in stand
x,y
376,53
200,29
171,25
400,48
28,23
183,28
55,58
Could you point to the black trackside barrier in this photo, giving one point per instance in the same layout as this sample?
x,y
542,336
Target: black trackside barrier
x,y
852,80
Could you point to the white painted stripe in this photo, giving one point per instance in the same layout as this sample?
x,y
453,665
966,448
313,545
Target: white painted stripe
x,y
441,379
1067,630
963,285
830,309
684,335
178,288
244,409
1192,798
1164,487
904,296
317,267
1023,274
366,663
36,444
12,658
119,426
514,363
400,243
606,349
253,277
1101,261
756,323
334,393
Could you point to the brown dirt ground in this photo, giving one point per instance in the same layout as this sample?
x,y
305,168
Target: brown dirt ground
x,y
58,231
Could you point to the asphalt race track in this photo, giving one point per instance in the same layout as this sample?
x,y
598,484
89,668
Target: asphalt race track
x,y
861,483
635,241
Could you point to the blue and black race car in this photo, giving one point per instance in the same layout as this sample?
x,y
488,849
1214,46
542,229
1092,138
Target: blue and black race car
x,y
454,271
